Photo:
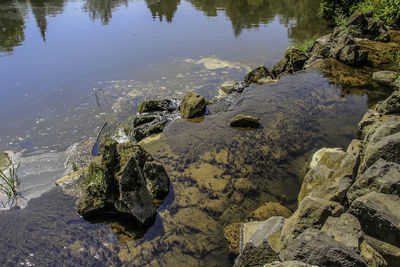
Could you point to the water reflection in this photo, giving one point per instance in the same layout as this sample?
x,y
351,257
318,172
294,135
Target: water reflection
x,y
102,9
12,25
298,16
163,8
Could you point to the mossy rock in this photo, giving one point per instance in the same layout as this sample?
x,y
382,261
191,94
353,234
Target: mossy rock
x,y
193,105
5,161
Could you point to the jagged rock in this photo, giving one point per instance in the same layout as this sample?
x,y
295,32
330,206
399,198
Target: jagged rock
x,y
269,210
145,130
365,26
311,213
294,60
373,257
124,180
388,148
257,74
365,126
4,161
390,104
382,177
385,77
230,87
316,247
193,105
256,256
353,55
386,127
331,174
358,20
379,215
288,264
346,229
244,121
390,253
341,40
322,46
258,232
157,105
143,119
396,83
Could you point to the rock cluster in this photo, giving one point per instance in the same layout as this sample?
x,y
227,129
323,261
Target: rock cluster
x,y
124,181
348,212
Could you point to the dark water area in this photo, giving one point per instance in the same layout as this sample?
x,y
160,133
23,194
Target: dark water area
x,y
67,67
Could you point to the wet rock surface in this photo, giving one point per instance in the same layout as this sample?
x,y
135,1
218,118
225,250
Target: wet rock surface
x,y
192,105
293,61
257,74
4,160
124,180
245,121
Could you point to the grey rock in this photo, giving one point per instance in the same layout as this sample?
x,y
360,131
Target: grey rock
x,y
256,256
386,127
257,74
316,247
293,61
382,177
385,77
124,180
344,39
148,129
311,213
373,257
157,105
193,105
322,47
390,253
331,176
388,148
353,55
346,229
263,231
230,87
379,215
390,104
244,121
366,124
396,83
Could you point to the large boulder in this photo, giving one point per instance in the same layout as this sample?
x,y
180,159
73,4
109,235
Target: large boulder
x,y
125,180
365,26
345,49
390,104
322,46
385,77
390,253
193,105
331,173
316,247
257,74
382,177
346,229
373,257
293,61
244,121
311,213
388,148
256,256
379,215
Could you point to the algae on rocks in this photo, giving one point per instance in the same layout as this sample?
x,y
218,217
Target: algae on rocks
x,y
125,180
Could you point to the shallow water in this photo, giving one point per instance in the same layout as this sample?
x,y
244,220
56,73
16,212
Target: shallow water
x,y
69,66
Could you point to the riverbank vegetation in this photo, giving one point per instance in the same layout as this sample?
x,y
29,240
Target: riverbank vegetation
x,y
9,185
337,11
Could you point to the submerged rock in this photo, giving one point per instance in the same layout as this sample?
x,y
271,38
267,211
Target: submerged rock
x,y
124,180
316,247
4,161
193,105
257,74
244,121
230,87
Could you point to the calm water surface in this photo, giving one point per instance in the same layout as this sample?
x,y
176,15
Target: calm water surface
x,y
68,66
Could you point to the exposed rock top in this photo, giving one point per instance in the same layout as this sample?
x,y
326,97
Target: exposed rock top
x,y
193,105
244,121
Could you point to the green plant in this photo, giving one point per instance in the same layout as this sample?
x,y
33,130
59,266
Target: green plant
x,y
306,45
386,10
336,10
9,185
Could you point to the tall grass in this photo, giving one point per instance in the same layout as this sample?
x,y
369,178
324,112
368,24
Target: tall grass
x,y
9,185
305,45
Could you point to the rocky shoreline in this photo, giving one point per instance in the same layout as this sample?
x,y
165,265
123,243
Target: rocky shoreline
x,y
347,211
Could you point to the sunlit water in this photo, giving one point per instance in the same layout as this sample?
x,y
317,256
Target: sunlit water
x,y
69,66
